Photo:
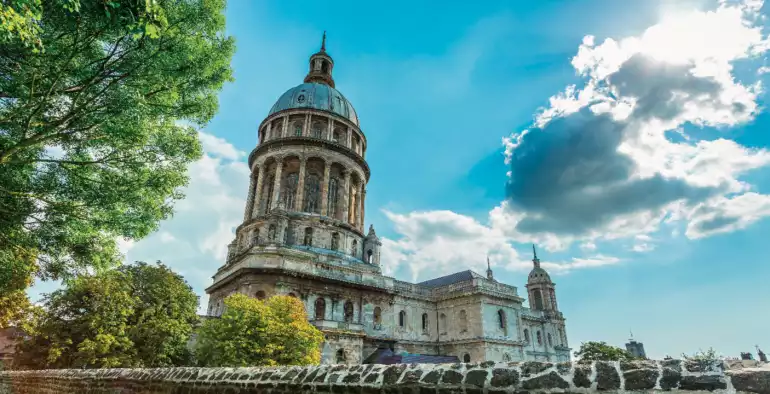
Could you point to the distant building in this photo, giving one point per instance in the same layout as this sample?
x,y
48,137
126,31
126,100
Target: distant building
x,y
746,356
635,348
762,356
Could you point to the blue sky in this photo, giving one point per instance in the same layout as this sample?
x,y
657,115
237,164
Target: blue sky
x,y
647,205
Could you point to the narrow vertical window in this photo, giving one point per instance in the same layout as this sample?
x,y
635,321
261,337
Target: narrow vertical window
x,y
401,319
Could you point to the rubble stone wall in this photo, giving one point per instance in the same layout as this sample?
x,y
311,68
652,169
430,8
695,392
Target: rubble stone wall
x,y
488,377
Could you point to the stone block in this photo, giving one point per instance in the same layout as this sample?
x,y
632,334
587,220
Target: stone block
x,y
607,377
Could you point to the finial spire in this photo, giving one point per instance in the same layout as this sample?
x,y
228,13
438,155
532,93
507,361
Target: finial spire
x,y
323,42
490,275
534,258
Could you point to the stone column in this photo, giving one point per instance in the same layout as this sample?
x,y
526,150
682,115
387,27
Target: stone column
x,y
299,198
325,189
257,206
351,213
359,193
330,130
362,207
269,130
306,126
249,199
349,138
345,194
284,125
277,183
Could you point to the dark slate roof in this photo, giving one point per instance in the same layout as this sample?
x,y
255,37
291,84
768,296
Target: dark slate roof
x,y
386,356
450,279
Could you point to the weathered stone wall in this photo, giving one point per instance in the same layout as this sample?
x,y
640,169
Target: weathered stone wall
x,y
491,378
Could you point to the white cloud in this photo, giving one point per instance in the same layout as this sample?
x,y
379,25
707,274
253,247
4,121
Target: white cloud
x,y
216,146
598,162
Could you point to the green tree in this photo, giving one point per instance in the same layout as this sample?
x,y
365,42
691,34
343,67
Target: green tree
x,y
96,131
136,315
21,19
601,351
709,355
253,332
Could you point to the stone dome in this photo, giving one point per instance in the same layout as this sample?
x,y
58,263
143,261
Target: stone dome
x,y
316,96
538,275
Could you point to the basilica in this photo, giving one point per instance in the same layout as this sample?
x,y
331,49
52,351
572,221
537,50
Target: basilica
x,y
303,235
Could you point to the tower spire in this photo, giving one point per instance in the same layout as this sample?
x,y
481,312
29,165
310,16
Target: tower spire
x,y
535,260
323,42
490,276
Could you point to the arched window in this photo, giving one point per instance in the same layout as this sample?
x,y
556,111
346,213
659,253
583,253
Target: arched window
x,y
369,254
308,240
298,129
312,193
289,192
268,201
340,359
315,131
501,318
377,315
442,322
348,309
538,299
506,357
271,232
324,67
425,322
463,321
539,338
260,295
320,308
335,241
550,342
337,136
354,247
466,358
402,319
526,335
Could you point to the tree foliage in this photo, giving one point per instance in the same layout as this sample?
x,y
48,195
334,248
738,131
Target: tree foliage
x,y
21,19
700,355
96,130
136,315
253,332
601,351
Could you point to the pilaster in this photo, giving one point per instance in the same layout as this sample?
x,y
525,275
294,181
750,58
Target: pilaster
x,y
284,125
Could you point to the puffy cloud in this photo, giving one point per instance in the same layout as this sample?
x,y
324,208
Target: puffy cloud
x,y
194,241
440,242
600,162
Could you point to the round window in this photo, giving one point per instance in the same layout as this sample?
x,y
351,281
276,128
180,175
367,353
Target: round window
x,y
301,98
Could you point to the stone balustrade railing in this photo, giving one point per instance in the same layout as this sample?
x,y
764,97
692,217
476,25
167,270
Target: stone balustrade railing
x,y
488,377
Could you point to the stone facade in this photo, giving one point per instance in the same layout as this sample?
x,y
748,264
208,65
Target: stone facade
x,y
303,235
487,377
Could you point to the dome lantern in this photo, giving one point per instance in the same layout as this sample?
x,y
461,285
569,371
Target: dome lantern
x,y
321,65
